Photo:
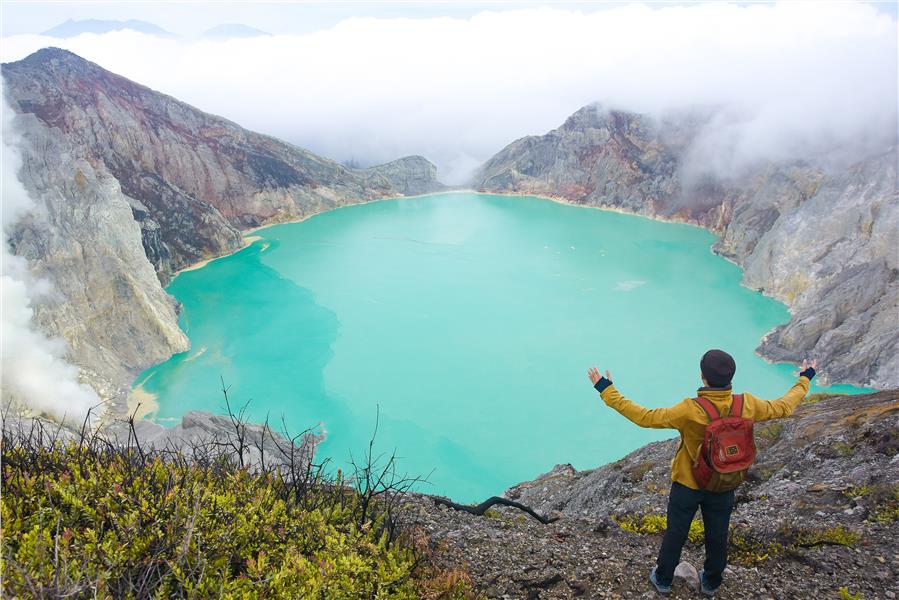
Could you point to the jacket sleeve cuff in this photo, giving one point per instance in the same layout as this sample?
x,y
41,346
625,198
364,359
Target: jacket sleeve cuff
x,y
602,384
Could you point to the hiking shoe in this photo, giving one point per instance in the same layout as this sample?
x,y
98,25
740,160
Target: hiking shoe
x,y
705,588
662,589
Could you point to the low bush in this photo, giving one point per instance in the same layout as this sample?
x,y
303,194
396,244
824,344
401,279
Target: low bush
x,y
746,549
657,524
771,432
886,504
818,396
845,594
836,536
93,519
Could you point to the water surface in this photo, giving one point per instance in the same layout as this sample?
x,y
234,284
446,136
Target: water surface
x,y
468,321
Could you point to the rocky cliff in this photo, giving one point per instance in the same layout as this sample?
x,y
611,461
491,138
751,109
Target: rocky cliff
x,y
410,175
133,185
821,240
820,512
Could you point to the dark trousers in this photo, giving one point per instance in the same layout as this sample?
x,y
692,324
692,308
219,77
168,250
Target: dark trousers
x,y
682,504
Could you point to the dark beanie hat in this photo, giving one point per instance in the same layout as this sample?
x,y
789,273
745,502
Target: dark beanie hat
x,y
718,367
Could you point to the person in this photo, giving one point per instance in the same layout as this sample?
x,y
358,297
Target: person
x,y
717,369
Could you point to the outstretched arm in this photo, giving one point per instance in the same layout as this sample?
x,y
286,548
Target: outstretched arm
x,y
657,418
784,406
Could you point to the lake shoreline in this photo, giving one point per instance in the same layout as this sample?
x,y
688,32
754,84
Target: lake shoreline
x,y
250,238
248,233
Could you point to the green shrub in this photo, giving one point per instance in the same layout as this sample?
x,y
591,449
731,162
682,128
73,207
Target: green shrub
x,y
883,500
817,397
638,471
766,472
771,432
113,524
745,550
838,536
857,491
886,504
644,524
842,449
845,594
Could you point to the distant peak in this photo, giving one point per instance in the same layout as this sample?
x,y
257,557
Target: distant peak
x,y
73,28
50,54
233,30
588,114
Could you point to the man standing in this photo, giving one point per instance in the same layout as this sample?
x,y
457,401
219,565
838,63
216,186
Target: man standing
x,y
717,369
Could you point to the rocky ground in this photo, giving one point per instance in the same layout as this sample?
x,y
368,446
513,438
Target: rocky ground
x,y
819,514
512,557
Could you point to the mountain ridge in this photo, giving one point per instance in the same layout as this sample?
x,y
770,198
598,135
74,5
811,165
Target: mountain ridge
x,y
843,300
73,27
191,181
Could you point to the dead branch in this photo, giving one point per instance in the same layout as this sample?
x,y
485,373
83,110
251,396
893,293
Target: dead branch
x,y
482,508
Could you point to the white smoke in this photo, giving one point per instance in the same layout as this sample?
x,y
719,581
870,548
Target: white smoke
x,y
33,371
794,77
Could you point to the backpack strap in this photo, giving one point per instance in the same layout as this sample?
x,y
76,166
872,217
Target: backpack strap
x,y
708,407
736,406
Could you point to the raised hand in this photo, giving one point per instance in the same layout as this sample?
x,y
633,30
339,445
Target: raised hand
x,y
806,365
593,374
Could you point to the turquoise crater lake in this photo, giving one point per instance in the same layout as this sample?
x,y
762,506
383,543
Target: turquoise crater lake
x,y
470,321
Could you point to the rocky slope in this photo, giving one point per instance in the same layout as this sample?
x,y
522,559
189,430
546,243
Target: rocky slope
x,y
822,241
819,513
107,302
129,181
410,175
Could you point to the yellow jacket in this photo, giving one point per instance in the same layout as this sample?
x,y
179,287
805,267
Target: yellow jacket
x,y
690,420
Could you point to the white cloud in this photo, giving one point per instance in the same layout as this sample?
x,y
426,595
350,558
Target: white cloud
x,y
33,369
794,76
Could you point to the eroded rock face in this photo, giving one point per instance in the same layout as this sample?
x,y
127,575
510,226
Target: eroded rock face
x,y
106,302
198,179
134,185
821,241
410,175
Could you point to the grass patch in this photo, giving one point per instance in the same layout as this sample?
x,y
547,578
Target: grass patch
x,y
637,472
858,491
836,536
648,524
743,549
882,499
765,472
886,504
772,432
817,397
842,449
845,594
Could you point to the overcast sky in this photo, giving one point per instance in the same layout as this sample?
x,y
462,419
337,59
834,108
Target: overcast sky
x,y
457,81
193,18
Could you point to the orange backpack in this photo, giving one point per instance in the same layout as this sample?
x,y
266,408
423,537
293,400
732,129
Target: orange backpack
x,y
728,448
